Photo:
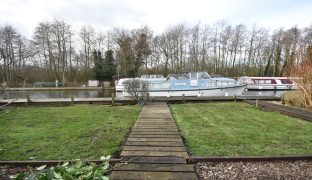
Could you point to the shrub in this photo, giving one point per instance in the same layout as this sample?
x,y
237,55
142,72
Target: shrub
x,y
137,89
69,171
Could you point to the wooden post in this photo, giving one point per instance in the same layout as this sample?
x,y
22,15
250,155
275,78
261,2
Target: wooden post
x,y
113,98
234,97
183,98
283,99
257,103
28,100
72,100
147,98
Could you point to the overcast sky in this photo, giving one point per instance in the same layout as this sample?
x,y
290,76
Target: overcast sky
x,y
157,14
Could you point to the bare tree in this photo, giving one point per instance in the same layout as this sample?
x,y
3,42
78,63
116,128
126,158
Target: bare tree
x,y
53,41
291,42
87,41
137,89
302,75
55,52
14,51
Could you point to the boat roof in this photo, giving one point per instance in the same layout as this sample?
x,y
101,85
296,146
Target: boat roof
x,y
265,77
222,78
152,76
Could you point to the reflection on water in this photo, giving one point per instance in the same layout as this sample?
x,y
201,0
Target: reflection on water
x,y
55,94
95,94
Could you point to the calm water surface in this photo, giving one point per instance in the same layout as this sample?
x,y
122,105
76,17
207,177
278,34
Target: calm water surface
x,y
55,94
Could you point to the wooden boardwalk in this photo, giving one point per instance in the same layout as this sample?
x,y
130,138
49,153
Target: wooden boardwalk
x,y
154,148
284,109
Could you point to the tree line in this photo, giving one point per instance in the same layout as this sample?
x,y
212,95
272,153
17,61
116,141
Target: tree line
x,y
58,51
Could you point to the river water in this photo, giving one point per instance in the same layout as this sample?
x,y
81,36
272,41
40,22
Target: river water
x,y
92,94
55,94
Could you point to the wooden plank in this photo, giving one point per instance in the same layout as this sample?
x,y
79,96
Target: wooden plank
x,y
160,128
155,111
156,122
157,160
155,139
145,143
165,130
155,127
150,121
167,117
154,167
152,175
154,136
155,116
153,132
153,148
154,153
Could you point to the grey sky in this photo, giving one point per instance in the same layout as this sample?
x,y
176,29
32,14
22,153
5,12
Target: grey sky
x,y
157,14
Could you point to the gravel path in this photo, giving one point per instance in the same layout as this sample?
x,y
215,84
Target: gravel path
x,y
6,171
254,170
229,170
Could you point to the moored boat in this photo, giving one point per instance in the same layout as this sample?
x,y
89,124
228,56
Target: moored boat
x,y
267,86
186,84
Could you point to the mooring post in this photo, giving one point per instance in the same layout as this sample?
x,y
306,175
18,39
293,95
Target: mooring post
x,y
283,99
113,98
72,100
183,98
257,103
27,100
148,98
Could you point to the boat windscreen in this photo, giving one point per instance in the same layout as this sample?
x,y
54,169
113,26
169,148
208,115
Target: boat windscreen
x,y
145,76
203,75
179,76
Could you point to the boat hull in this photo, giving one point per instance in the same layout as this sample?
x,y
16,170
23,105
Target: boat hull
x,y
226,91
268,90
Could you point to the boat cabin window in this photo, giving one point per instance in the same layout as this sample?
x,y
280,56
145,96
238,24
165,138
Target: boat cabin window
x,y
264,81
286,81
153,76
159,76
242,80
193,75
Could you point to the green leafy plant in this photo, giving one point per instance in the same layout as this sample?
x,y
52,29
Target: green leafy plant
x,y
69,171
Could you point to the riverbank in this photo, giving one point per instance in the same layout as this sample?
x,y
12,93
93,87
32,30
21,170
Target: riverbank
x,y
57,88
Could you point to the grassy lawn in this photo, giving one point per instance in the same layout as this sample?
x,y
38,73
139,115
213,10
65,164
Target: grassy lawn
x,y
239,129
80,131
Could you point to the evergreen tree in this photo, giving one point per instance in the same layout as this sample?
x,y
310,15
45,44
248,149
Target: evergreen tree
x,y
109,66
98,66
